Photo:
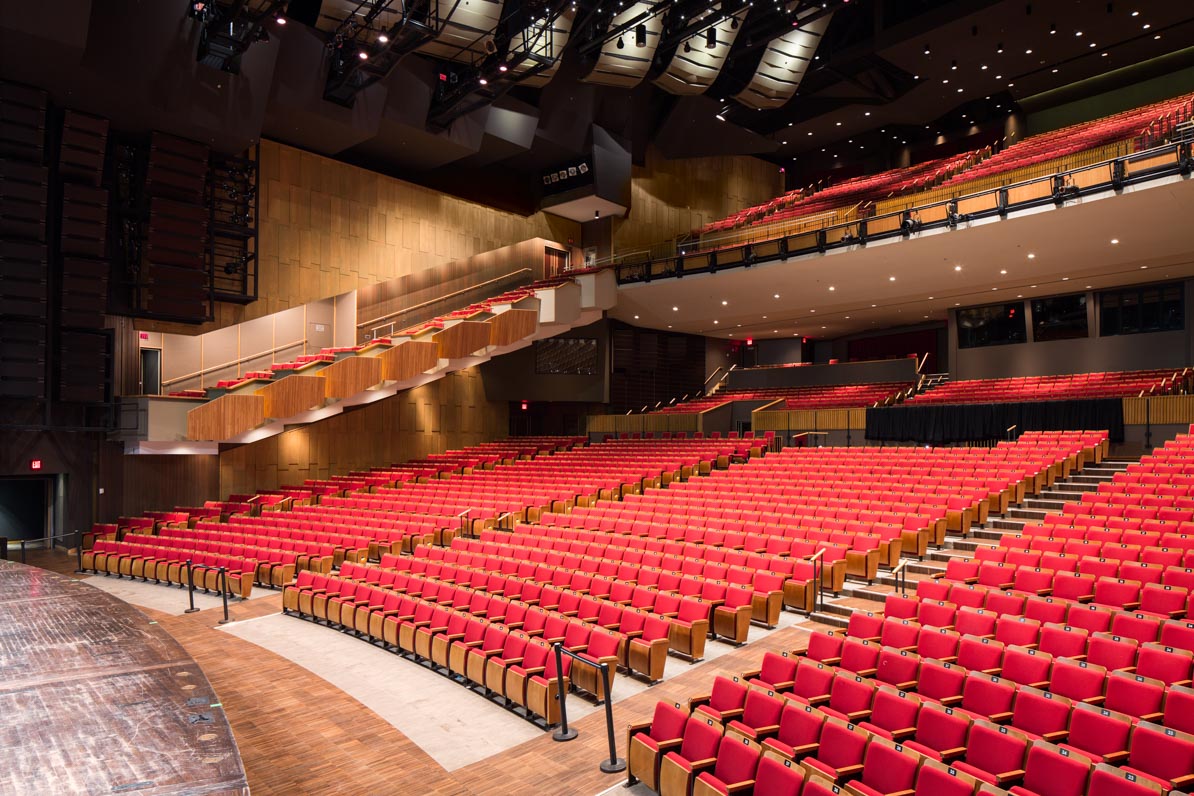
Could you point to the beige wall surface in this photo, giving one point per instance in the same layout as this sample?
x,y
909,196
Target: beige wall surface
x,y
327,227
672,197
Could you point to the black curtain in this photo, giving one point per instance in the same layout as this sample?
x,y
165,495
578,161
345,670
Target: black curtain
x,y
947,423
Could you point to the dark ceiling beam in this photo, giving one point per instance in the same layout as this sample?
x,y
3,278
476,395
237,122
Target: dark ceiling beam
x,y
349,74
470,94
229,30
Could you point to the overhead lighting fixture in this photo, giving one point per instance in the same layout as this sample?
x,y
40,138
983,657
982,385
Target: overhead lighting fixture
x,y
775,296
687,47
1031,256
362,55
281,20
927,50
957,268
1114,241
1052,29
503,68
636,317
711,39
383,39
640,36
621,44
675,309
831,287
999,48
483,81
954,65
724,302
891,279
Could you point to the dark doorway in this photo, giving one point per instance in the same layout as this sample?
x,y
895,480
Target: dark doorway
x,y
151,371
24,507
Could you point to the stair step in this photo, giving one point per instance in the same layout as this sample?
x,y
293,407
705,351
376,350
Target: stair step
x,y
834,620
1029,514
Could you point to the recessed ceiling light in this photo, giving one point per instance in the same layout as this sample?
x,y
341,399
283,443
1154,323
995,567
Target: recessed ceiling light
x,y
957,303
1144,268
812,310
776,331
636,317
1019,295
831,287
847,317
1031,256
891,279
675,309
1065,279
822,327
930,298
775,296
839,124
1003,271
994,288
1147,26
764,317
1028,51
724,302
1032,286
669,326
1077,33
1135,13
874,305
1088,287
1114,241
868,113
1156,37
715,322
983,67
957,268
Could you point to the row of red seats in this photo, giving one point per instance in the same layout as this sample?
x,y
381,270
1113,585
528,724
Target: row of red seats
x,y
1068,140
661,568
1047,388
508,663
306,555
345,546
798,397
767,587
274,567
682,620
829,720
168,565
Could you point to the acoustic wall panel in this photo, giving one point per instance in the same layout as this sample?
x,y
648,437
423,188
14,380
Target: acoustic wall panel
x,y
785,61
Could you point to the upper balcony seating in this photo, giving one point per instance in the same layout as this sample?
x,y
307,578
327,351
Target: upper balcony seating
x,y
808,397
1069,140
475,311
847,193
1121,384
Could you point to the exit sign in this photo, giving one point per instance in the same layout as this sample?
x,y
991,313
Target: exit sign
x,y
35,464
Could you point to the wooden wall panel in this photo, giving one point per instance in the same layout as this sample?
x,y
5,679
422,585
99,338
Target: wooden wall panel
x,y
163,482
406,426
512,326
1159,410
293,394
672,197
462,339
409,359
327,227
225,417
351,375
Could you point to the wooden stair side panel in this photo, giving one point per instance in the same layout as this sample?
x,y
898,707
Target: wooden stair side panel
x,y
511,326
225,417
294,394
351,376
462,339
409,359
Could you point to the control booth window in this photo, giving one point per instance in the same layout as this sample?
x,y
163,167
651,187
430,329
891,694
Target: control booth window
x,y
566,356
1059,318
998,324
1151,308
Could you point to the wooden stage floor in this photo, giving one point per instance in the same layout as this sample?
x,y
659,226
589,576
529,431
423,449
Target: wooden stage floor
x,y
96,697
298,734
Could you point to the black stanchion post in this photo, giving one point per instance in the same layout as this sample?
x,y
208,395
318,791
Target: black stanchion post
x,y
615,763
191,587
563,732
78,552
3,548
224,593
23,561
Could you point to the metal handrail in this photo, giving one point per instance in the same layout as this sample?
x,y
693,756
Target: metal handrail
x,y
221,584
818,576
382,318
213,368
901,569
566,733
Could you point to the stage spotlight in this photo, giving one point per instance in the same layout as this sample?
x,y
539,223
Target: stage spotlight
x,y
640,36
621,44
711,38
